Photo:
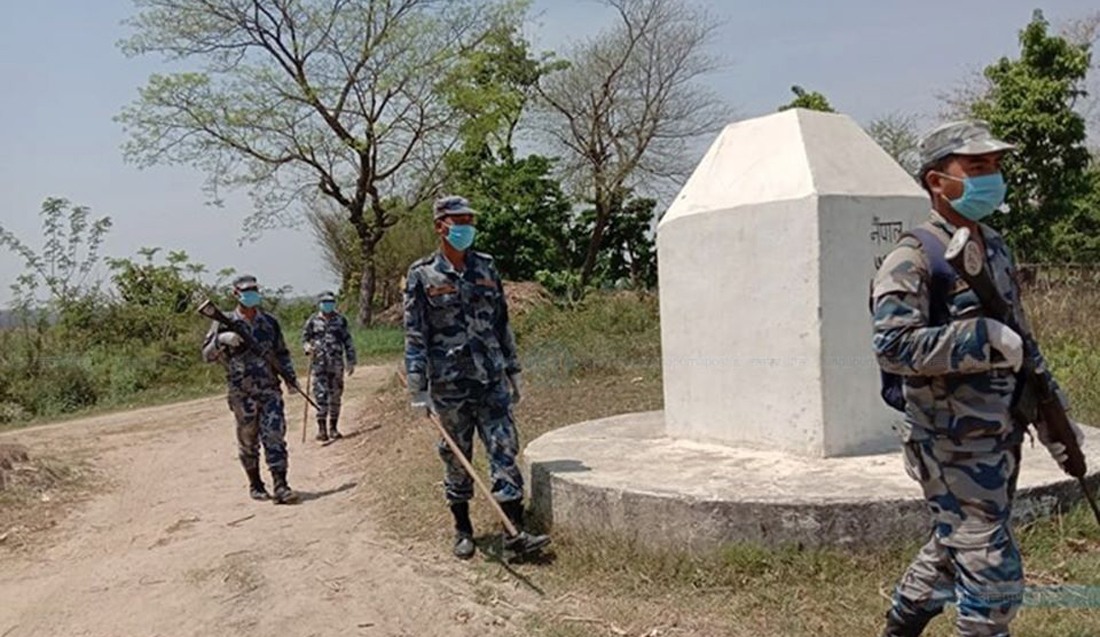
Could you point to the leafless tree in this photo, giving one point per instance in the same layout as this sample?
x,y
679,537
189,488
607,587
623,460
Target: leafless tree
x,y
897,134
300,99
627,108
1086,30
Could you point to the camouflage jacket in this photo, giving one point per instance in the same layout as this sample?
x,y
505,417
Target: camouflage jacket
x,y
247,372
331,340
456,323
957,387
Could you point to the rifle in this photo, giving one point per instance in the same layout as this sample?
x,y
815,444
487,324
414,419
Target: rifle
x,y
211,311
1038,400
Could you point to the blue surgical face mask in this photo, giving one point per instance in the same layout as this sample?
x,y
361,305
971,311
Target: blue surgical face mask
x,y
461,237
981,196
328,306
250,298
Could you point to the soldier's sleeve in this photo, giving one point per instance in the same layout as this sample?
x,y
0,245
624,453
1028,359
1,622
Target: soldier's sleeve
x,y
349,342
307,330
904,342
282,354
210,350
416,336
503,329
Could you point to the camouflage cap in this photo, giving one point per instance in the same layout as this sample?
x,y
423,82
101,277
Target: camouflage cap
x,y
964,137
326,296
453,205
245,282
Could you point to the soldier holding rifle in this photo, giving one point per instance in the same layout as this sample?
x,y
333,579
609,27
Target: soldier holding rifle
x,y
249,344
960,385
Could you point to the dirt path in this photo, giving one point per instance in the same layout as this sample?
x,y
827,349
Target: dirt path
x,y
173,546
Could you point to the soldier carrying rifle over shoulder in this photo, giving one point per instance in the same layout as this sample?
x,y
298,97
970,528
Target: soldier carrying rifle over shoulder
x,y
956,369
254,354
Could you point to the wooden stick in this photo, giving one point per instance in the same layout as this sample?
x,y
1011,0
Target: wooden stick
x,y
305,412
508,526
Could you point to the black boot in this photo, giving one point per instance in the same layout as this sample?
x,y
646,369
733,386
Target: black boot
x,y
256,488
322,432
332,431
283,493
911,627
522,543
464,531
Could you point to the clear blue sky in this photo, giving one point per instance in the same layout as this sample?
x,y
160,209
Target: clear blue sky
x,y
65,80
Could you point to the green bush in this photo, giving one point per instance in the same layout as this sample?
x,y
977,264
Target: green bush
x,y
62,386
612,332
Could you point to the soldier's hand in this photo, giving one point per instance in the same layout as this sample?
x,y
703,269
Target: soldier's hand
x,y
308,349
1058,450
1008,343
517,390
229,339
351,369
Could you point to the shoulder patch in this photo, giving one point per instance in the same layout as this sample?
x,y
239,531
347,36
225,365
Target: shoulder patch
x,y
422,261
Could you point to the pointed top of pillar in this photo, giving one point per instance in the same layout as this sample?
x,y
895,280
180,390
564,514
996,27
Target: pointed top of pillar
x,y
793,154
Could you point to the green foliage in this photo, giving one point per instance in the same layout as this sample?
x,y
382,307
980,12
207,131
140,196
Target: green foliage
x,y
491,86
563,285
309,100
1030,103
813,101
628,258
155,301
525,214
70,251
606,332
629,255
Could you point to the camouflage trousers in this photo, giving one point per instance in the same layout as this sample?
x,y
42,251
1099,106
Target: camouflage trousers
x,y
328,390
468,407
972,559
260,421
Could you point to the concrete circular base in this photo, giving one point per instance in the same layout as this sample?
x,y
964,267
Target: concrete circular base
x,y
623,476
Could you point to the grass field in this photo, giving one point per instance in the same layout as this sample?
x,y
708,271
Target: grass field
x,y
603,359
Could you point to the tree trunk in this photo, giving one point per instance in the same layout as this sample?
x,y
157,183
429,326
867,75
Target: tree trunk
x,y
366,286
603,211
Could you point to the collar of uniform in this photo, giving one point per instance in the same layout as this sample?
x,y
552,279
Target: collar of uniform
x,y
939,221
241,317
942,223
443,264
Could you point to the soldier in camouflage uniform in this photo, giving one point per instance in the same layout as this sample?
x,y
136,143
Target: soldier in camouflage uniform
x,y
327,340
255,396
460,357
959,379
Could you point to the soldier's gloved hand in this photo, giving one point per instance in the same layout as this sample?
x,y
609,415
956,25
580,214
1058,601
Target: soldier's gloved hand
x,y
1008,343
351,369
229,339
517,389
421,400
1058,450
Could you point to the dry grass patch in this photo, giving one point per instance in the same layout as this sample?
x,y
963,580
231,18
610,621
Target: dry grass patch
x,y
36,493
